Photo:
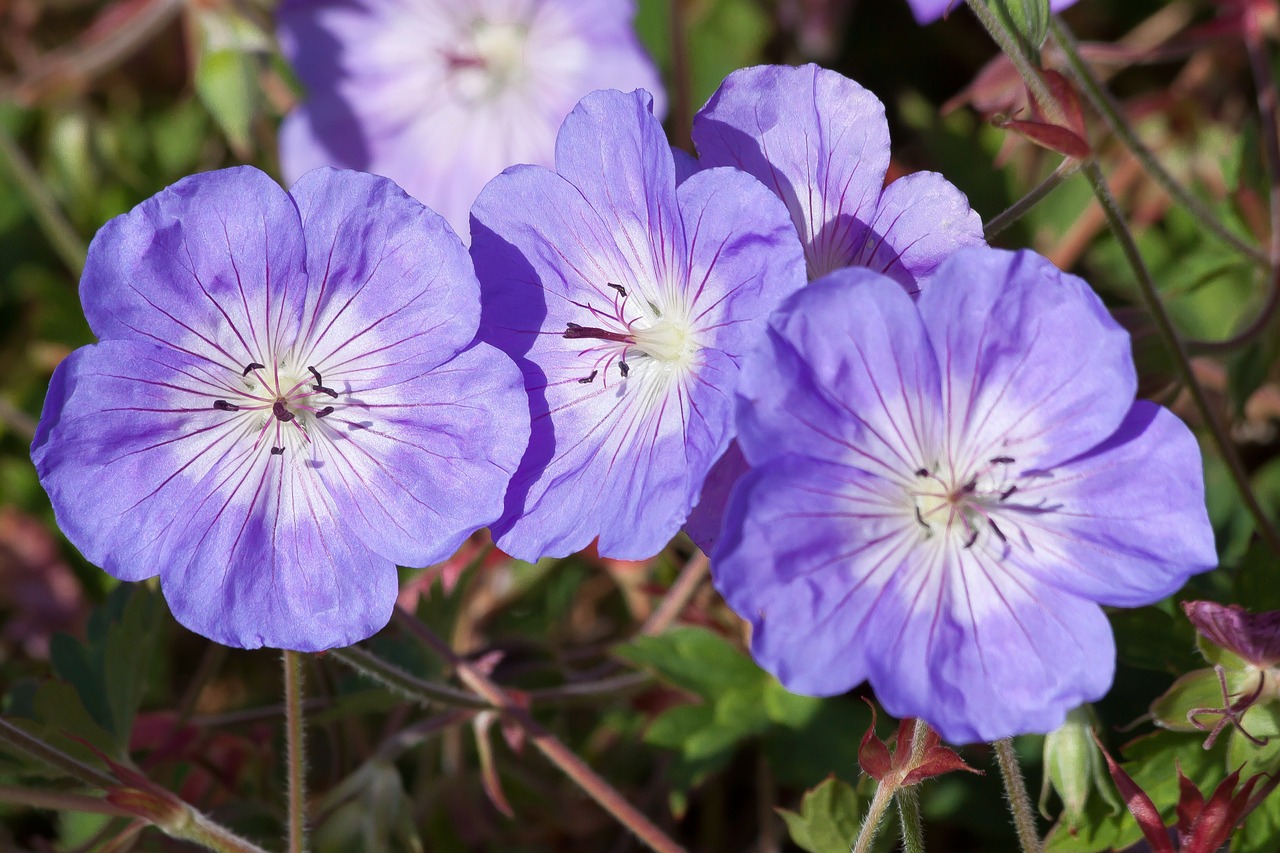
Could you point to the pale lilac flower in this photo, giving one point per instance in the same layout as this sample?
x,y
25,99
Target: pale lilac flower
x,y
285,403
942,493
927,11
627,302
821,142
441,95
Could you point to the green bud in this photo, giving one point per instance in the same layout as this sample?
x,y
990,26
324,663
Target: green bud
x,y
1074,768
1027,20
1190,703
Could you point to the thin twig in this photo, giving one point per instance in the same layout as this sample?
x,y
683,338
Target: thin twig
x,y
1022,206
1110,111
57,228
678,596
560,755
682,109
418,689
54,757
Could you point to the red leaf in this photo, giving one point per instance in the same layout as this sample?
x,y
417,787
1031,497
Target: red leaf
x,y
1190,805
1140,806
873,755
1051,136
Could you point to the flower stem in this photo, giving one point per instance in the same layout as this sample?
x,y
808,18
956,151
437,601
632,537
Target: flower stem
x,y
1022,206
908,798
1018,56
606,796
686,584
1024,819
1164,324
682,109
297,771
875,816
60,801
1106,106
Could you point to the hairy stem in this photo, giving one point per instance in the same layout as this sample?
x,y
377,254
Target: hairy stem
x,y
908,799
294,737
1106,106
605,795
1024,818
399,681
875,816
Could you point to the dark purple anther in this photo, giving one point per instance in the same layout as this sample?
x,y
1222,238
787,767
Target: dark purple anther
x,y
327,410
624,368
589,379
252,366
281,411
573,331
277,451
224,406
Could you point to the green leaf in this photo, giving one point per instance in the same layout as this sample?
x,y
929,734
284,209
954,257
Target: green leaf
x,y
828,819
696,660
1257,578
1149,638
227,84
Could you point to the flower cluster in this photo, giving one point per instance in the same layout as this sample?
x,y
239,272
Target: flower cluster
x,y
940,471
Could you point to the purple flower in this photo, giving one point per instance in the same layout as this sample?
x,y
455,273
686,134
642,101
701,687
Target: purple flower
x,y
284,404
627,302
821,143
944,491
441,95
927,11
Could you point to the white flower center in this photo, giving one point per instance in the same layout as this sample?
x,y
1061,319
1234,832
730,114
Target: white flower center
x,y
282,404
667,341
490,62
962,509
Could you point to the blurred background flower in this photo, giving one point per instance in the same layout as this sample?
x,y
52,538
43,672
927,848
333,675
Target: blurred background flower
x,y
441,95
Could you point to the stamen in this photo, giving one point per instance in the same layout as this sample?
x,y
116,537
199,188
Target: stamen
x,y
327,410
573,331
224,406
972,538
588,380
319,386
1005,494
252,366
277,451
971,486
622,291
624,368
996,530
1002,460
922,472
920,518
281,411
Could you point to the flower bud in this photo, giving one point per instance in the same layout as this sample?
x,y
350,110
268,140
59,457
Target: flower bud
x,y
1073,767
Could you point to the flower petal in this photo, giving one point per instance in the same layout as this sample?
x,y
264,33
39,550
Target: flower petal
x,y
806,547
1125,524
422,458
981,651
744,258
128,432
265,558
921,220
707,515
616,135
390,281
213,266
1034,367
848,375
818,140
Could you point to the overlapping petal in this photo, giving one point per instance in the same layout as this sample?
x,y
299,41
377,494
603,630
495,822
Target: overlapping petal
x,y
926,11
849,375
614,246
1034,367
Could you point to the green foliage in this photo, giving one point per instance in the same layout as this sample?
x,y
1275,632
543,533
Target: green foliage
x,y
1026,20
828,819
